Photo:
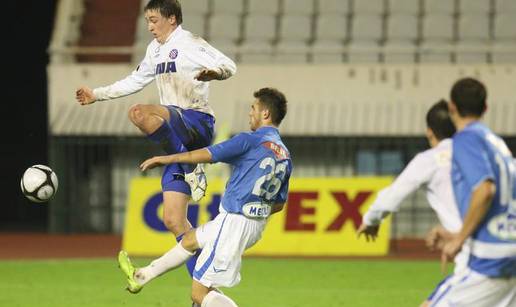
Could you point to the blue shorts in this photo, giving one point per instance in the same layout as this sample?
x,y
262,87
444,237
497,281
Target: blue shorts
x,y
192,130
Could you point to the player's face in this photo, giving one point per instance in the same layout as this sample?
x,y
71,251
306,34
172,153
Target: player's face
x,y
255,115
160,26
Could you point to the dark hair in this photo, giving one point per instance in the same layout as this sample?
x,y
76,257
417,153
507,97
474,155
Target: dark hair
x,y
274,101
167,8
439,121
469,96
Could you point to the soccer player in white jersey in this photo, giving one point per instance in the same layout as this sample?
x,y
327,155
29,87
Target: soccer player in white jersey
x,y
484,185
258,187
181,63
431,169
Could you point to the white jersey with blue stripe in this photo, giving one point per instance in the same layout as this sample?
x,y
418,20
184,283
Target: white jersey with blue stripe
x,y
480,155
173,65
261,169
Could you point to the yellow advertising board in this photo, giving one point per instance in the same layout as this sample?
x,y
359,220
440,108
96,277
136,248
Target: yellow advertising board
x,y
320,218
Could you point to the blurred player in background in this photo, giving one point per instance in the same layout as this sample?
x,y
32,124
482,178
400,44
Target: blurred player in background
x,y
431,169
258,187
484,184
181,63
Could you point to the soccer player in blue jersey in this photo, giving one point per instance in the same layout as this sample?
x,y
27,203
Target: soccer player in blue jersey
x,y
257,188
484,184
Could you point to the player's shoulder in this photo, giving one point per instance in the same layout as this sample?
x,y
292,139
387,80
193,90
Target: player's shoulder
x,y
469,135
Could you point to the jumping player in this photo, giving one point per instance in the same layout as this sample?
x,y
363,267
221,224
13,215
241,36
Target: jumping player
x,y
181,63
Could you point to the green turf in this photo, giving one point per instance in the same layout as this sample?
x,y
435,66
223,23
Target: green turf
x,y
265,282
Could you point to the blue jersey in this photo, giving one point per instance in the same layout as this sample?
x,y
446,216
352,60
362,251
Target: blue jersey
x,y
479,155
261,169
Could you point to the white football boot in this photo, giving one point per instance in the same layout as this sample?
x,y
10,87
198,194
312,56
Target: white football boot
x,y
198,182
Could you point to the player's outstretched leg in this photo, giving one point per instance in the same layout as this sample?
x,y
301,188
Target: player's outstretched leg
x,y
124,263
137,278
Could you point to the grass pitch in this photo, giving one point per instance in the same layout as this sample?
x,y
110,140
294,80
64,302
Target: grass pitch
x,y
265,282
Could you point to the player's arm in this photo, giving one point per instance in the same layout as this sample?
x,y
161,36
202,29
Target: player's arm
x,y
417,172
136,81
217,66
478,207
191,157
222,152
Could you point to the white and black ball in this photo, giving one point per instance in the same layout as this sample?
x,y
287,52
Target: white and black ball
x,y
39,183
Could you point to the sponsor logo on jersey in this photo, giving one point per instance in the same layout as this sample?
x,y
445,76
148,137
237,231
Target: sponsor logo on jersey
x,y
503,226
279,152
173,54
165,68
256,210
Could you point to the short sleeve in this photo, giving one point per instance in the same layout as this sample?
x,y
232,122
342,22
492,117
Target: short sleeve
x,y
471,158
233,148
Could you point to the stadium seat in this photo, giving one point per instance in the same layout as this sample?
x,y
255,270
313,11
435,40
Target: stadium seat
x,y
366,34
505,6
330,35
437,39
294,34
334,7
473,28
195,24
368,7
195,7
401,38
295,28
259,34
234,7
367,28
402,28
263,6
475,6
505,28
439,7
408,7
473,38
504,48
224,27
438,28
298,7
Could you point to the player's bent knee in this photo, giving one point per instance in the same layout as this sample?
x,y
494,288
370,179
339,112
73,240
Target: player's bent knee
x,y
136,114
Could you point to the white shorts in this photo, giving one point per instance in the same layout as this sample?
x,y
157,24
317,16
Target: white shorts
x,y
472,289
223,242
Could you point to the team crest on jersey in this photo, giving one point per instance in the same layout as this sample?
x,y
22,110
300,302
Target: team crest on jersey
x,y
279,152
173,54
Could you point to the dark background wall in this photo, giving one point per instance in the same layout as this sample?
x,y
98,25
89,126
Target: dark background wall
x,y
26,29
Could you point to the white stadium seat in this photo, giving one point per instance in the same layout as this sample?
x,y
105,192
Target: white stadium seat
x,y
334,7
298,7
263,6
235,7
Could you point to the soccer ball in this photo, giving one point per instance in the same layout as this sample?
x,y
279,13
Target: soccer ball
x,y
39,183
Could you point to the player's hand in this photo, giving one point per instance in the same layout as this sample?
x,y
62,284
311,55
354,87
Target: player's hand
x,y
370,232
437,237
450,249
84,95
207,75
154,162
